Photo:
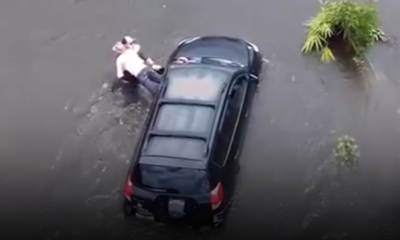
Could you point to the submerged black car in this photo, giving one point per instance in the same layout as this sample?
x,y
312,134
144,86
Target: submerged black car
x,y
184,166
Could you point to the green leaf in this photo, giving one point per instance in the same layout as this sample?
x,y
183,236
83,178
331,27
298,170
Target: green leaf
x,y
314,42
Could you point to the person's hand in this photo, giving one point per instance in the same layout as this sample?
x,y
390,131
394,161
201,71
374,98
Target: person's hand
x,y
156,67
118,48
150,62
182,60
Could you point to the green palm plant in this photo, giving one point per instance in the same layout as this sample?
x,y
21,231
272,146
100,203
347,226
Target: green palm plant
x,y
356,22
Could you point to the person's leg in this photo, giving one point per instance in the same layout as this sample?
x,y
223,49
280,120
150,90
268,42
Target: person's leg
x,y
129,77
154,76
145,79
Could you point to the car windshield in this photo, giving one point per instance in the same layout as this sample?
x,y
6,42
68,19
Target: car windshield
x,y
172,179
196,83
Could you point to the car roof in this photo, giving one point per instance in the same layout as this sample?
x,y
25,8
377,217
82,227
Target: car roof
x,y
185,114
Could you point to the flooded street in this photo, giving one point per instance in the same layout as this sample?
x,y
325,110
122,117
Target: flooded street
x,y
66,140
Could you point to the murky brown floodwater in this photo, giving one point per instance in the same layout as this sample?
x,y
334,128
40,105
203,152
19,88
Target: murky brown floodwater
x,y
66,141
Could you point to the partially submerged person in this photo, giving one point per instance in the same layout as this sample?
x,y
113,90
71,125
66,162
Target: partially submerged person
x,y
134,62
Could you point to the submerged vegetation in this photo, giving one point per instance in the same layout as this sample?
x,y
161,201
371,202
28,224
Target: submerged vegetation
x,y
346,151
354,24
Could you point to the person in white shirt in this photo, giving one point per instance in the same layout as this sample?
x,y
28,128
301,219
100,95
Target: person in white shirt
x,y
132,61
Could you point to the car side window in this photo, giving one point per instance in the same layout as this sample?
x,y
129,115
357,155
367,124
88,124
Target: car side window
x,y
239,92
231,112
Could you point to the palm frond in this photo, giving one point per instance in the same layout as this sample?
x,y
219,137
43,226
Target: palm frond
x,y
314,42
376,37
327,55
325,30
314,22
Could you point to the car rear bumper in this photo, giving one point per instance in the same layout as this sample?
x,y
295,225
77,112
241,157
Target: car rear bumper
x,y
201,217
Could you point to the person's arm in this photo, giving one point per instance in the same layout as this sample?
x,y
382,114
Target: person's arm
x,y
120,68
148,60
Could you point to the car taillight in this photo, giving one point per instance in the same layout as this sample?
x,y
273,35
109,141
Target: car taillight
x,y
128,188
217,195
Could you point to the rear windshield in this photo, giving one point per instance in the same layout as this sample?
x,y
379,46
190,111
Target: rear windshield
x,y
176,147
172,179
199,83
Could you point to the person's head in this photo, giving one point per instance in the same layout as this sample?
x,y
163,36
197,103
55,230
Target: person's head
x,y
128,41
125,43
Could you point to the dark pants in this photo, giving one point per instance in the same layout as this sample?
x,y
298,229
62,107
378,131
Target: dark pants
x,y
150,80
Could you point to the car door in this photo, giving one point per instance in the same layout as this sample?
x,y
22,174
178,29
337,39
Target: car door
x,y
231,115
227,135
221,167
238,100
